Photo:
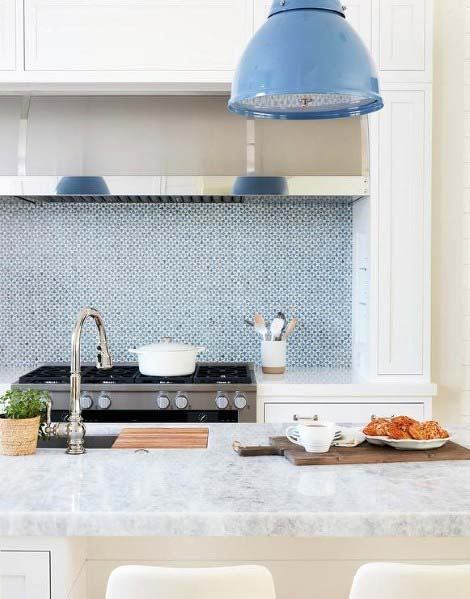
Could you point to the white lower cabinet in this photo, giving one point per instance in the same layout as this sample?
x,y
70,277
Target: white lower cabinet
x,y
25,575
356,413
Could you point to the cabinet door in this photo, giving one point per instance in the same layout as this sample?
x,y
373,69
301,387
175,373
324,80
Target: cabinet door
x,y
401,195
7,35
359,14
339,412
24,575
402,31
136,35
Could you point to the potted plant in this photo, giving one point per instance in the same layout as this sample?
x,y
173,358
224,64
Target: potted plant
x,y
21,413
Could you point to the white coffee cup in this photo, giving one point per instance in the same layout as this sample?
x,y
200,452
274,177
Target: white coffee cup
x,y
315,437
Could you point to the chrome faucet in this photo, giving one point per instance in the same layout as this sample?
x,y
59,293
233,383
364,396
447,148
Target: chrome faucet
x,y
74,428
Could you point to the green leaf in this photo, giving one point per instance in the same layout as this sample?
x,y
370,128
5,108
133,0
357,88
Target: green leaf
x,y
17,404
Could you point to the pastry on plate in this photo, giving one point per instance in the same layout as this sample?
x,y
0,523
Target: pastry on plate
x,y
427,431
377,428
401,428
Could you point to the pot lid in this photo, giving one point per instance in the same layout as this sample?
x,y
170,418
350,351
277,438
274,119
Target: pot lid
x,y
167,345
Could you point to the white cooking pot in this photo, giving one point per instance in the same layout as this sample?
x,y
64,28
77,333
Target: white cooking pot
x,y
167,358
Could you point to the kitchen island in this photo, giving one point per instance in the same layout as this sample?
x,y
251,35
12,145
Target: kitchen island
x,y
209,506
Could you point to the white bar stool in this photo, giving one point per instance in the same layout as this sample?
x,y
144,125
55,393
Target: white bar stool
x,y
145,582
403,581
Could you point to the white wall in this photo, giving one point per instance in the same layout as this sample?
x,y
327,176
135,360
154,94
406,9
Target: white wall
x,y
449,329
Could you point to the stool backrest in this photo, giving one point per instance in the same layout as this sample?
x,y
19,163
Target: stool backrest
x,y
145,582
404,581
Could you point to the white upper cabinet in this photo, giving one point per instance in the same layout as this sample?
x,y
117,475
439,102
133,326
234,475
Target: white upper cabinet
x,y
358,13
401,204
403,37
261,11
7,35
136,35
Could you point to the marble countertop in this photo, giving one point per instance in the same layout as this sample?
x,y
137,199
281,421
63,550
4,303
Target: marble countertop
x,y
325,382
214,492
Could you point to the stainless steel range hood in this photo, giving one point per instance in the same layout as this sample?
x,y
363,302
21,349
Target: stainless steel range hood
x,y
173,149
153,190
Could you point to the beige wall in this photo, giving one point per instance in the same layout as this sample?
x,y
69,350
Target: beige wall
x,y
449,327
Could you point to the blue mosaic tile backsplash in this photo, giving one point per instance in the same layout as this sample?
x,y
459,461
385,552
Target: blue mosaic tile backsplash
x,y
193,272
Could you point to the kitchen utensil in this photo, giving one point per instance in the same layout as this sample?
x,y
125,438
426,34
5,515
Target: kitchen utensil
x,y
167,358
162,438
250,323
273,357
315,437
282,316
260,325
290,328
363,454
277,326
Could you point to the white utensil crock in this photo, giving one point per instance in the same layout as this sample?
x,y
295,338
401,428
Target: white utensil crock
x,y
167,358
273,357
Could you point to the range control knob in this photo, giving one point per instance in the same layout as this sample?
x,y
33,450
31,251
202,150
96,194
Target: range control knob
x,y
240,400
221,401
86,401
163,401
104,401
181,401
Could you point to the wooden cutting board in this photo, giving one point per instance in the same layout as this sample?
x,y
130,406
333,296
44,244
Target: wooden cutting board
x,y
162,438
363,454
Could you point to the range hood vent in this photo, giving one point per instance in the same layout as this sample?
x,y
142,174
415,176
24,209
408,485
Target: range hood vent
x,y
140,199
182,190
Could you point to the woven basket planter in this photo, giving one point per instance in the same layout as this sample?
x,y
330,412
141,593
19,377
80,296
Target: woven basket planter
x,y
19,437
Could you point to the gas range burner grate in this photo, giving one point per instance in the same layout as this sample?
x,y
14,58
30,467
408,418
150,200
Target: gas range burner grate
x,y
228,374
47,375
118,375
128,374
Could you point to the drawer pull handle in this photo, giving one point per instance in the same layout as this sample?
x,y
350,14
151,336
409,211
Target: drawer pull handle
x,y
297,417
374,417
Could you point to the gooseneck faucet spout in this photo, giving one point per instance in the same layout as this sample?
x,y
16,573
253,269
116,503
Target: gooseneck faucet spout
x,y
75,426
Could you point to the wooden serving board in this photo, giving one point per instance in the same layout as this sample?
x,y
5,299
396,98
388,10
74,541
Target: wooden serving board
x,y
162,438
363,454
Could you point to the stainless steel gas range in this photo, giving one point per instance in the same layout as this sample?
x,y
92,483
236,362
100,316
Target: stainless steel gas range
x,y
216,392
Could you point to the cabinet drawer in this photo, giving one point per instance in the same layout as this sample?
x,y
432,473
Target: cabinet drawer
x,y
136,35
340,412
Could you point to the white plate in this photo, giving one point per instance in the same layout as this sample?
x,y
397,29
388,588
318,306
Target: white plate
x,y
408,444
376,440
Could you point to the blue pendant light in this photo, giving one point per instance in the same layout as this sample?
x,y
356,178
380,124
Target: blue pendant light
x,y
306,62
260,186
82,186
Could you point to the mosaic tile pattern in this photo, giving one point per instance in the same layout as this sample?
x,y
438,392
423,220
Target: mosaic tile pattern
x,y
189,271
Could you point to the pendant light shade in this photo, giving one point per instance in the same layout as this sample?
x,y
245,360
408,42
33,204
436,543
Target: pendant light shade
x,y
260,186
306,62
82,186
